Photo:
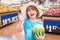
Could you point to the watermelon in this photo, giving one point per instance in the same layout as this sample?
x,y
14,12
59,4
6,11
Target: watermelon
x,y
38,29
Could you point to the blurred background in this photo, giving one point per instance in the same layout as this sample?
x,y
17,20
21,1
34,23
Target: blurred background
x,y
49,14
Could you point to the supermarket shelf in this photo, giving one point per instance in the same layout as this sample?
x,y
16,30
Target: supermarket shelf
x,y
51,17
8,17
7,12
52,23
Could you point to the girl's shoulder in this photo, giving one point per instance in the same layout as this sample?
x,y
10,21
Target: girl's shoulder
x,y
26,20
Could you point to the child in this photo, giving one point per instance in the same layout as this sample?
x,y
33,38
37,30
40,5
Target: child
x,y
32,15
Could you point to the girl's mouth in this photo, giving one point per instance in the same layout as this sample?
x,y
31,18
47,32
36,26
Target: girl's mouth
x,y
32,14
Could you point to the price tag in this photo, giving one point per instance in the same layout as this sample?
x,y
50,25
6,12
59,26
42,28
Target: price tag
x,y
52,26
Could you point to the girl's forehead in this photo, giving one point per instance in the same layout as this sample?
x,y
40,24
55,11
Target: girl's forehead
x,y
30,7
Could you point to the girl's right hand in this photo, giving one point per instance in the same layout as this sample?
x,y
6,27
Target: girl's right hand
x,y
20,18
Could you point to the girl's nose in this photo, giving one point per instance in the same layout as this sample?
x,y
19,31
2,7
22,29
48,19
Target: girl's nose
x,y
31,11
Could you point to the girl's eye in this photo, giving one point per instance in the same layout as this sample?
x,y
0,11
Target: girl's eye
x,y
33,9
28,10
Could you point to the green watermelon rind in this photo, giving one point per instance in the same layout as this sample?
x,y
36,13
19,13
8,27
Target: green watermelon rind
x,y
38,29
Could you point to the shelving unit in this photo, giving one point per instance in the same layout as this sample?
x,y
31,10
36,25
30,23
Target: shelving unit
x,y
8,17
52,23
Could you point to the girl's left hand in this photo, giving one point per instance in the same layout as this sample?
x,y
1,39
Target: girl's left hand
x,y
39,37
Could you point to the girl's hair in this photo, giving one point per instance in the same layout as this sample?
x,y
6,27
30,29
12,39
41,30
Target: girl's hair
x,y
33,8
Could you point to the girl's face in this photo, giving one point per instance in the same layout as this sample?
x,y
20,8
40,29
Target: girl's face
x,y
32,12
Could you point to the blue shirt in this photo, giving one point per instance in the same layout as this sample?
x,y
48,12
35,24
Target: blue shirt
x,y
28,25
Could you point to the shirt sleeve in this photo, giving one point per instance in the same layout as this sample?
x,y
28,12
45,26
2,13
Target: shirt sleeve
x,y
24,23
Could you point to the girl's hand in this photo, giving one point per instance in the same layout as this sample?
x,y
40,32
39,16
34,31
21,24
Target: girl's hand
x,y
20,18
39,37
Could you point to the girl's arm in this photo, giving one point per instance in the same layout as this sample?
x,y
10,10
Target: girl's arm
x,y
20,20
20,28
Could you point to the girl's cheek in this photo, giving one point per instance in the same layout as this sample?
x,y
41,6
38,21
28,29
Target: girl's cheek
x,y
28,13
35,13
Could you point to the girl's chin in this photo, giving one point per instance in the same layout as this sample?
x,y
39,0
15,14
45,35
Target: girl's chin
x,y
32,17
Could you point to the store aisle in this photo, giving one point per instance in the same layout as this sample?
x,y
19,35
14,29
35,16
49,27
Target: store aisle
x,y
11,31
50,36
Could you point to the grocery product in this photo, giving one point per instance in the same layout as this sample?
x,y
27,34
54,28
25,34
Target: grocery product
x,y
52,12
38,29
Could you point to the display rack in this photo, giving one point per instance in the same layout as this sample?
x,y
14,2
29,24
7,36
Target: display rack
x,y
51,23
8,17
